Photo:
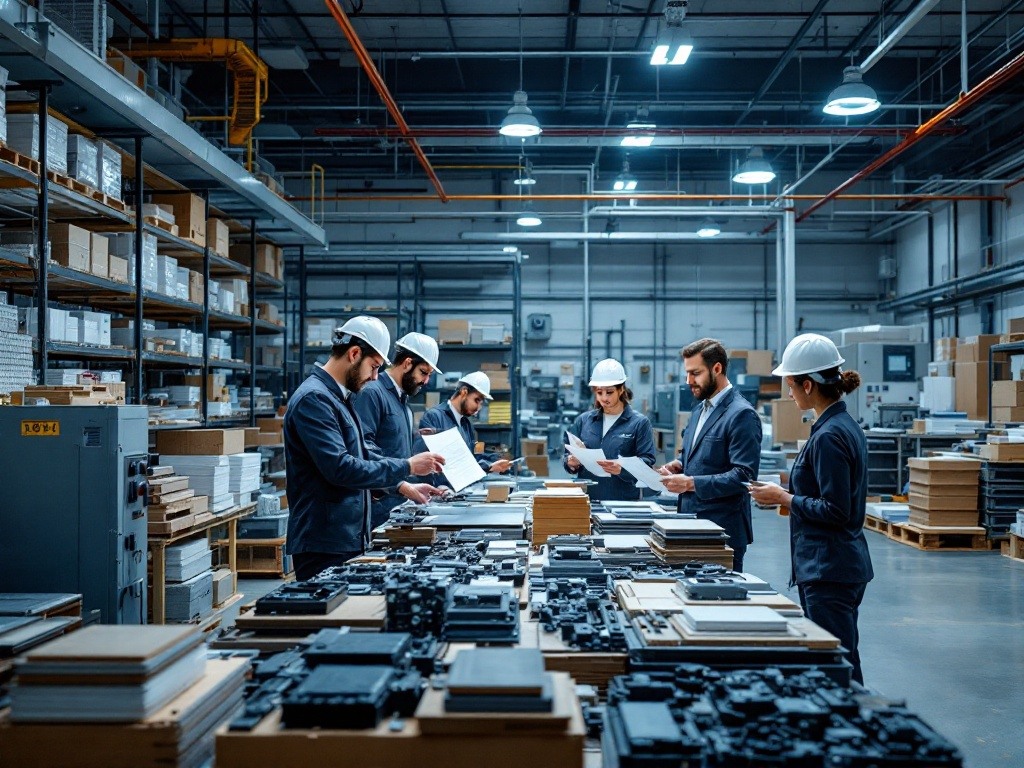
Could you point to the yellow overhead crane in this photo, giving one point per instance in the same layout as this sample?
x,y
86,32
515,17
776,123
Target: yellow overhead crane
x,y
248,71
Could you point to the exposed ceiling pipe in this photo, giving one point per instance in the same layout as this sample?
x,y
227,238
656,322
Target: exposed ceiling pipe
x,y
898,33
967,100
647,237
740,211
774,132
366,62
605,197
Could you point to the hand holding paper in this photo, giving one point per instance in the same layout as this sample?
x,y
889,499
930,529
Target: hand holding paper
x,y
460,467
589,457
644,474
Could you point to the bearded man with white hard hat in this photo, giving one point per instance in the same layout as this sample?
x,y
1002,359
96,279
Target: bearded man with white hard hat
x,y
471,391
331,469
386,419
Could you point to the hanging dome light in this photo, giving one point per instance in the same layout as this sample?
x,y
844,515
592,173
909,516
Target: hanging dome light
x,y
625,181
755,170
708,228
528,217
525,176
520,123
853,97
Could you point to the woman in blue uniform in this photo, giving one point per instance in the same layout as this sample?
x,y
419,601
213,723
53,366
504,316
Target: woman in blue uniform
x,y
826,496
615,427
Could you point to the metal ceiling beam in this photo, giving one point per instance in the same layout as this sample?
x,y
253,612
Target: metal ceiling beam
x,y
451,40
785,58
868,30
570,44
898,33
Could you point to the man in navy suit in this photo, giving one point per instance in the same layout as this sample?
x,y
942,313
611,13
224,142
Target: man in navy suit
x,y
720,449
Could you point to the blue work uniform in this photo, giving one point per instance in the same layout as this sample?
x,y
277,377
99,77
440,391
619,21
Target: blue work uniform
x,y
387,430
441,418
831,562
330,472
630,435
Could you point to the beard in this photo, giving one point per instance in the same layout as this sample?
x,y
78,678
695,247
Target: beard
x,y
409,385
353,381
705,391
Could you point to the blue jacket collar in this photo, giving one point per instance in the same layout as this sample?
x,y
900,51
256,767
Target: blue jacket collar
x,y
833,410
328,380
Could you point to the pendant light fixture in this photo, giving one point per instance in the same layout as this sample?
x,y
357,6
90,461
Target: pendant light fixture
x,y
709,228
520,122
755,169
528,217
853,97
641,130
524,178
625,181
672,47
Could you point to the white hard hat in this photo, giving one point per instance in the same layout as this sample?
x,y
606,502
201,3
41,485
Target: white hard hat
x,y
478,380
808,353
422,346
608,373
368,329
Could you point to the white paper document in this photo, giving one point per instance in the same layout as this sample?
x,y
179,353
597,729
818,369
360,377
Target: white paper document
x,y
644,474
589,457
573,440
460,467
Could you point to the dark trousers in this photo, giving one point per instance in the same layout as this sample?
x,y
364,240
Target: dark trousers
x,y
834,606
309,564
737,558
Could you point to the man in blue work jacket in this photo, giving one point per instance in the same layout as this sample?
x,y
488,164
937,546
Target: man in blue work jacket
x,y
384,412
720,449
331,471
470,393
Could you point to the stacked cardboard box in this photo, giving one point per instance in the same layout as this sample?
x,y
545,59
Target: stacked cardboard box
x,y
1007,402
788,422
497,374
83,160
560,510
944,491
759,361
189,214
454,331
218,237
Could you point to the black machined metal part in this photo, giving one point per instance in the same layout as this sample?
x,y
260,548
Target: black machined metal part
x,y
351,697
481,613
761,717
361,578
713,588
416,602
303,598
333,646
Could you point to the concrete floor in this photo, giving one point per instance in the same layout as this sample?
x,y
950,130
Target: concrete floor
x,y
943,630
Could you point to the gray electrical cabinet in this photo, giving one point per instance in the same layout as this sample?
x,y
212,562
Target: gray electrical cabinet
x,y
73,496
890,374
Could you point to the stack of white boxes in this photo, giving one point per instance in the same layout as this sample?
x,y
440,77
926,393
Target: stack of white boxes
x,y
167,275
23,138
209,475
320,333
122,245
110,169
93,327
75,327
244,476
83,160
15,350
122,334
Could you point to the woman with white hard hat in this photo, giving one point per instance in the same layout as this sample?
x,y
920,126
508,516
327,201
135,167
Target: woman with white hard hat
x,y
615,427
827,493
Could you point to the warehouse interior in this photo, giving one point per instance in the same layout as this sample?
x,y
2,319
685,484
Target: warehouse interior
x,y
214,216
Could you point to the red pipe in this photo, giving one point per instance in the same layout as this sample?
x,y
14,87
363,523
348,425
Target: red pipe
x,y
382,90
966,100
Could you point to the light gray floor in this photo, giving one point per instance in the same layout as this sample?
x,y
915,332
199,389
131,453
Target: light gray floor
x,y
944,630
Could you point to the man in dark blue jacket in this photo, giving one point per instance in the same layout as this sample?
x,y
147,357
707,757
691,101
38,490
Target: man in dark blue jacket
x,y
384,412
330,469
720,449
470,393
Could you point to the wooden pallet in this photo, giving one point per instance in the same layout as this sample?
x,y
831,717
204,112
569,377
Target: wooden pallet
x,y
16,158
878,525
941,539
109,200
1013,547
155,221
262,557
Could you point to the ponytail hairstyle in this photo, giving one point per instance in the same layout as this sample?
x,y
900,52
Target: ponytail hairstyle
x,y
832,383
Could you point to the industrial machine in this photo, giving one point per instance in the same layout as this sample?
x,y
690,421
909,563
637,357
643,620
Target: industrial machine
x,y
73,513
670,399
889,373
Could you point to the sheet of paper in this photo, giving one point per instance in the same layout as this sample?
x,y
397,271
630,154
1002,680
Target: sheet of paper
x,y
460,467
589,457
573,440
644,474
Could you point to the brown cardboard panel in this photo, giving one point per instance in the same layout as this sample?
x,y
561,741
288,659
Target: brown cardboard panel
x,y
943,502
1007,394
99,255
201,442
1003,414
453,331
788,423
189,215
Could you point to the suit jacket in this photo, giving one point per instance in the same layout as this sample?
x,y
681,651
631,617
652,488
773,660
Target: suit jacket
x,y
387,430
829,481
330,470
726,454
440,419
630,435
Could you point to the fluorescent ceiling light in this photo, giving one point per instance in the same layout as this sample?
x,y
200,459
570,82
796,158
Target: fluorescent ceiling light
x,y
853,97
528,217
755,170
639,139
520,123
673,54
284,57
510,249
672,47
624,184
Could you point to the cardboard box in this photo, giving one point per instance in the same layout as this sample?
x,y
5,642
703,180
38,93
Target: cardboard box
x,y
974,349
944,349
218,236
497,493
1002,451
1007,394
252,437
268,259
270,438
128,68
269,312
760,362
196,287
1004,415
215,384
118,267
189,214
941,368
451,331
538,465
972,388
272,425
71,246
201,442
530,447
99,255
1016,325
788,424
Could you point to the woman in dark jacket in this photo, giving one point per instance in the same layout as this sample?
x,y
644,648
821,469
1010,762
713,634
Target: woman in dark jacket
x,y
616,428
827,492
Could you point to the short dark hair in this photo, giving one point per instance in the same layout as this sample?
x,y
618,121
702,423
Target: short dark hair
x,y
464,387
338,351
710,350
402,354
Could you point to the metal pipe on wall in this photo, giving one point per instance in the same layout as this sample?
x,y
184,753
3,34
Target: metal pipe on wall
x,y
789,249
